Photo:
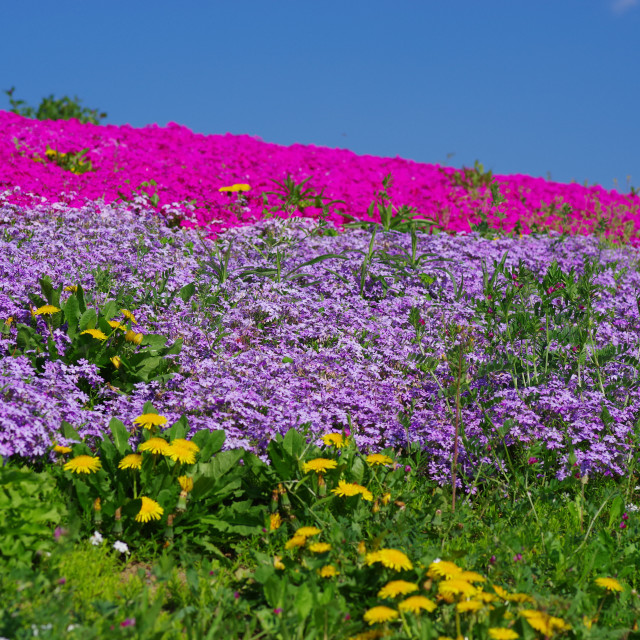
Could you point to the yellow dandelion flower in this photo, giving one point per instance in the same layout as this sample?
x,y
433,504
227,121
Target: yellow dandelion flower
x,y
97,504
148,420
328,571
114,324
471,576
348,489
60,449
390,558
277,563
186,483
397,588
150,510
443,569
46,310
502,593
380,614
336,440
543,622
519,597
485,597
72,288
116,361
95,333
132,336
8,321
132,461
319,465
128,315
182,451
319,547
455,587
501,633
155,445
469,605
307,532
378,459
416,604
275,521
610,584
296,541
235,188
83,464
362,547
386,498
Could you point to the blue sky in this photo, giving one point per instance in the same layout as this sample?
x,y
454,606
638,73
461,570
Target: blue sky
x,y
539,87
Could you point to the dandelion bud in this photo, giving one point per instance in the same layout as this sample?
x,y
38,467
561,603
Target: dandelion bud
x,y
117,526
322,486
97,511
132,336
284,500
168,532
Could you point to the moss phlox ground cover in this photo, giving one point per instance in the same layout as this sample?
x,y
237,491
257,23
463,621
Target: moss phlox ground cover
x,y
141,165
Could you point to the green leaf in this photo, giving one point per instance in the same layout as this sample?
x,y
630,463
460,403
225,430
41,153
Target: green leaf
x,y
225,461
294,443
275,589
148,366
154,340
210,442
303,602
615,512
357,470
120,436
179,428
69,432
47,288
88,320
187,291
71,315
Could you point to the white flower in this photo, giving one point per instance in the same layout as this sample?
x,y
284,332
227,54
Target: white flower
x,y
121,546
632,507
96,539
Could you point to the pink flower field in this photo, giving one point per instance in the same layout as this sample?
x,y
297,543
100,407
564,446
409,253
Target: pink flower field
x,y
189,169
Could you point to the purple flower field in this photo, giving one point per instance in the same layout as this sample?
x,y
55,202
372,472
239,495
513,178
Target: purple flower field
x,y
361,340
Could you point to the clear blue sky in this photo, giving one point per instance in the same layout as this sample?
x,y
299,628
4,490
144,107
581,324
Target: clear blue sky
x,y
536,87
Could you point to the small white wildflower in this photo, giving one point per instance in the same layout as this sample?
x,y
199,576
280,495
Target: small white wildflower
x,y
632,507
96,539
121,546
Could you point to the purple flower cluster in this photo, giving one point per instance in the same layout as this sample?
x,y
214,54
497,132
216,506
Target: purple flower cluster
x,y
261,356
